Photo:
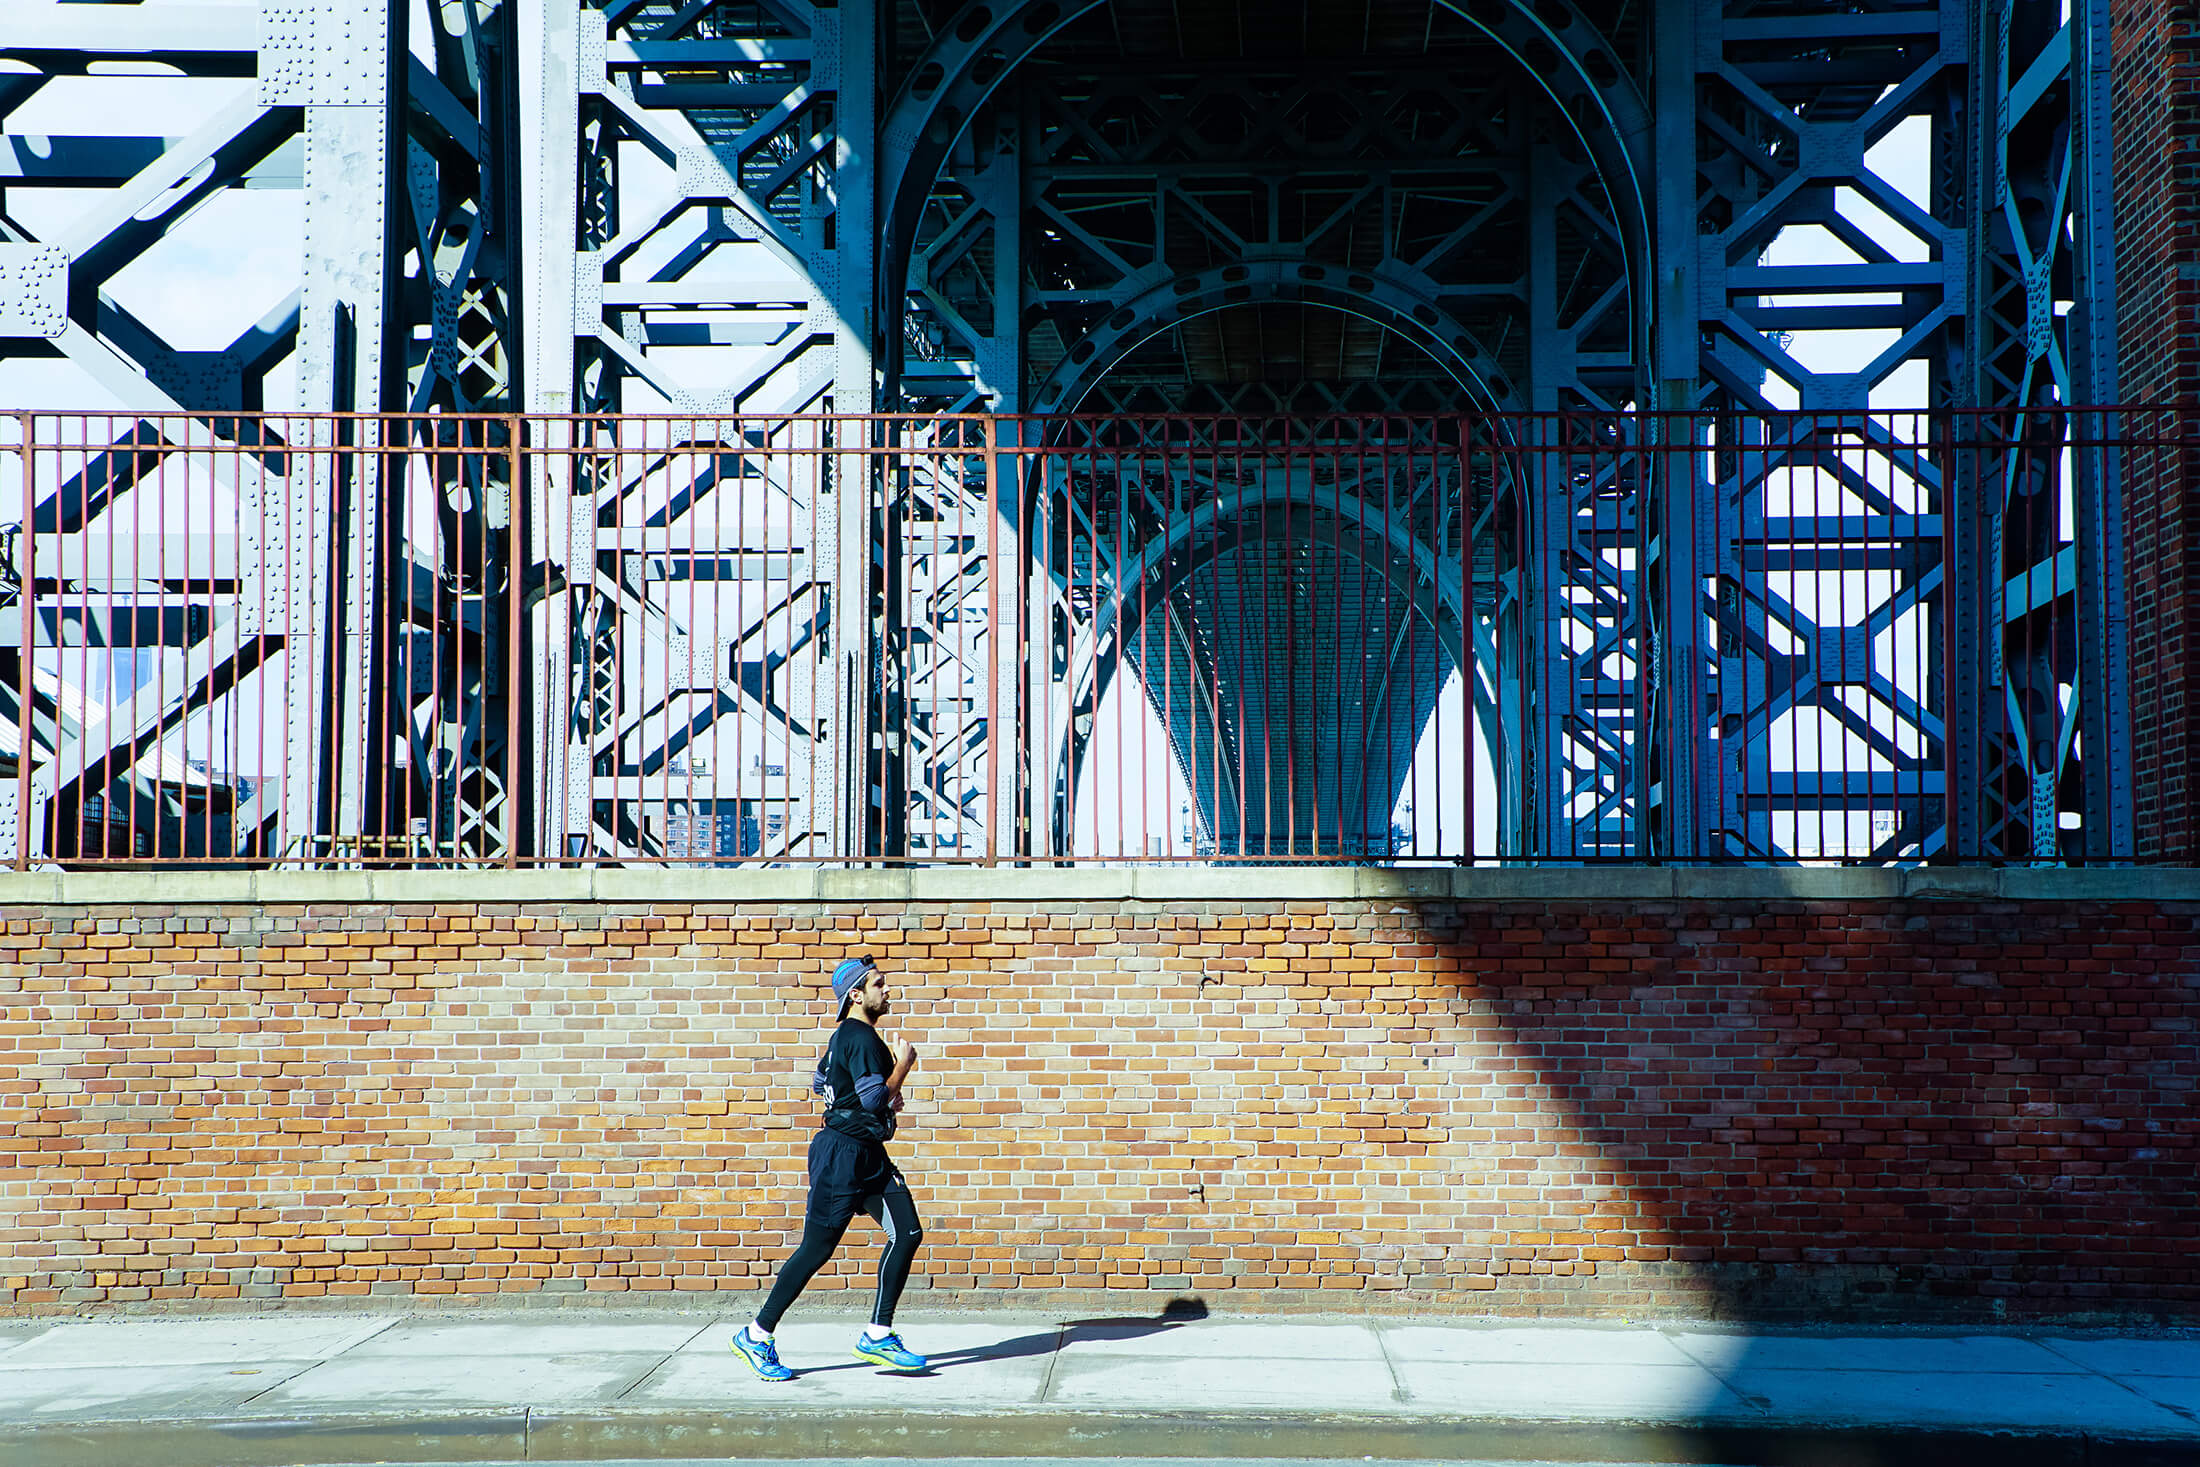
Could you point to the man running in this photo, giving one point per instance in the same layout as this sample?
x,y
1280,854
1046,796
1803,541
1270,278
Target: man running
x,y
860,1081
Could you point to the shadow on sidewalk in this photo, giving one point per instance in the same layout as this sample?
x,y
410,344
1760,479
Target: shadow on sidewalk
x,y
1174,1315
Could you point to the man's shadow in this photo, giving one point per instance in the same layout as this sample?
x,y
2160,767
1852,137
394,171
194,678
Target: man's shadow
x,y
1174,1315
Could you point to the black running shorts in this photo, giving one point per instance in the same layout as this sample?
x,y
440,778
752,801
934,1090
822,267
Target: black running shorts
x,y
845,1174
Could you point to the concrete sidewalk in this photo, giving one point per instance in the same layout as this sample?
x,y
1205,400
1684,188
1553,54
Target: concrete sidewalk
x,y
441,1385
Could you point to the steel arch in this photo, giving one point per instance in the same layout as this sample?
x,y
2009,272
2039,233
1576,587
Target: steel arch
x,y
1120,613
1557,47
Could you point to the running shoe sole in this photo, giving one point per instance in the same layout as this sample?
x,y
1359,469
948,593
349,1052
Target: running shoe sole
x,y
903,1358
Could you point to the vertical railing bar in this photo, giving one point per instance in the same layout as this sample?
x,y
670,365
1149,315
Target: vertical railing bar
x,y
1266,643
1089,758
372,510
794,478
569,703
1002,612
1244,744
737,435
344,459
1994,701
514,497
612,731
995,604
1053,470
1379,840
183,721
1800,426
1168,849
658,464
1717,443
261,468
1463,517
877,514
1647,448
1735,761
645,475
445,472
419,445
251,583
1406,599
1358,534
1951,505
298,642
970,646
681,472
130,832
92,591
213,565
212,451
2016,757
682,482
723,433
1144,712
976,523
26,553
1869,469
1561,550
1819,724
320,844
814,479
441,840
220,727
575,698
1753,435
2016,760
1284,552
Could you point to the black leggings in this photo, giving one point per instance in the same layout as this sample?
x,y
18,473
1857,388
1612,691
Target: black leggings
x,y
893,1210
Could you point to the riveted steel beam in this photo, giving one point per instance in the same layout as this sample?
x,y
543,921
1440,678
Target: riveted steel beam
x,y
2037,668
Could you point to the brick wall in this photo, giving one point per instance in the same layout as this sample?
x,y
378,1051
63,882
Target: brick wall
x,y
2156,70
1883,1109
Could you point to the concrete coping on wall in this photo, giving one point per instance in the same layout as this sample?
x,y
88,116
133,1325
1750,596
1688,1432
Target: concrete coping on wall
x,y
1155,883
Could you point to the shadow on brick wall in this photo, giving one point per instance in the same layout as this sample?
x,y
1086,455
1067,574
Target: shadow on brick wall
x,y
1856,1113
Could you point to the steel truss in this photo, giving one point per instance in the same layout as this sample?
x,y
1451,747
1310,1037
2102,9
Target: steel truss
x,y
1787,114
585,209
383,123
714,162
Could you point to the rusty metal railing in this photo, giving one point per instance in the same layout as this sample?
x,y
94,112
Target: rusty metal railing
x,y
449,641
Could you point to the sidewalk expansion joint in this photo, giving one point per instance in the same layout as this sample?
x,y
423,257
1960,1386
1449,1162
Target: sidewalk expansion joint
x,y
1381,1328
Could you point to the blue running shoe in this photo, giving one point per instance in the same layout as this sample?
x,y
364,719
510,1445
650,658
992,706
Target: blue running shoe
x,y
889,1351
762,1355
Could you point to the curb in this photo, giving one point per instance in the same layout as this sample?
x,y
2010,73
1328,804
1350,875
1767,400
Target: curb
x,y
531,1435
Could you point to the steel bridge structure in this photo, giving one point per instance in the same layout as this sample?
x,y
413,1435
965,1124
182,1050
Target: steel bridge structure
x,y
536,431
